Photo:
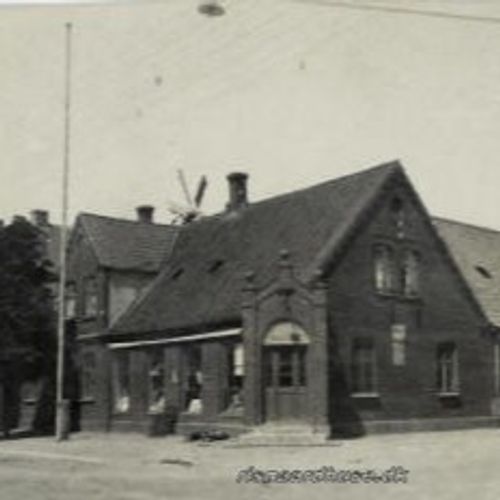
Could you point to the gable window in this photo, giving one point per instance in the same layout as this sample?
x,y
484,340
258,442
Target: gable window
x,y
121,381
384,268
90,297
363,366
447,368
410,271
397,210
88,375
156,389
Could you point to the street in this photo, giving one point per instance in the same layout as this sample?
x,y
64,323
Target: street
x,y
455,465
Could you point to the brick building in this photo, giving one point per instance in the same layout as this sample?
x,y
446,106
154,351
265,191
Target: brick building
x,y
340,307
110,262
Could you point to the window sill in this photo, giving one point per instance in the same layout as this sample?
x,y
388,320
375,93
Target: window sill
x,y
85,319
448,394
365,395
86,400
399,296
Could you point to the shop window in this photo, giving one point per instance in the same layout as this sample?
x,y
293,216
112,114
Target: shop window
x,y
410,268
90,298
447,368
156,389
235,374
384,268
194,378
88,375
364,367
121,381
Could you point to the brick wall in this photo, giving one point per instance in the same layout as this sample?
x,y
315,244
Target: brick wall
x,y
443,311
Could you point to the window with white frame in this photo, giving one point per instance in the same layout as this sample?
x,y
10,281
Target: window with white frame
x,y
363,366
121,381
447,379
156,388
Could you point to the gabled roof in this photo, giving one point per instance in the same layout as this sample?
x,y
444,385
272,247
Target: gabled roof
x,y
201,284
476,251
128,245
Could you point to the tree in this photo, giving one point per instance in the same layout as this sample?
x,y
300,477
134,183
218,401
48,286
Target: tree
x,y
27,316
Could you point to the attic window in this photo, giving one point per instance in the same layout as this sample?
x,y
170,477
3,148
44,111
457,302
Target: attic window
x,y
483,272
215,266
177,274
396,205
397,210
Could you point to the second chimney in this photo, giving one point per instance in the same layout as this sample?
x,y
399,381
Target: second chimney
x,y
40,217
237,191
145,213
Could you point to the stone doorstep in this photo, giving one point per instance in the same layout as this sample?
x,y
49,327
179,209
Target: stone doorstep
x,y
284,434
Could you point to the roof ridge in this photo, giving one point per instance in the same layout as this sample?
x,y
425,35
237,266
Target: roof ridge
x,y
394,164
466,224
127,221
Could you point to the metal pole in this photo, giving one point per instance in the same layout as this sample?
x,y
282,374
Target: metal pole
x,y
61,404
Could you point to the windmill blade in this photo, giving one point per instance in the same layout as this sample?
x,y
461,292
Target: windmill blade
x,y
200,192
177,209
182,180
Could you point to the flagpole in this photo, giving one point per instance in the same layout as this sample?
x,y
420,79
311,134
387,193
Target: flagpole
x,y
62,410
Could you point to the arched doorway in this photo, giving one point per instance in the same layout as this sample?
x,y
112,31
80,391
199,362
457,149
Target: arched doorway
x,y
285,372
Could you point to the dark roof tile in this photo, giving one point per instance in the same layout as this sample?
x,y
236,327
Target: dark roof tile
x,y
309,224
124,244
476,251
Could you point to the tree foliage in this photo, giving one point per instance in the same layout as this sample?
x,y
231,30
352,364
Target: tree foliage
x,y
27,316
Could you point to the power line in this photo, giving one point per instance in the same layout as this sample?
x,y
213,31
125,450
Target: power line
x,y
407,11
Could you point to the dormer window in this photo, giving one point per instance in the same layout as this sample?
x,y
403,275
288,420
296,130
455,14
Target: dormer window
x,y
384,268
483,272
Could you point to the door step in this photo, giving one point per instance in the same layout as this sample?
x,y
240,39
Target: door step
x,y
283,435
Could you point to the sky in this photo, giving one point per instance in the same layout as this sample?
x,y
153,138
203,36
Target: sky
x,y
293,92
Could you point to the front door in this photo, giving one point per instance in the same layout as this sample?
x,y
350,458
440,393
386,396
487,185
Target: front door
x,y
285,380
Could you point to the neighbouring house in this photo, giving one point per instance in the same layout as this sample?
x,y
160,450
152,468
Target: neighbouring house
x,y
343,307
110,263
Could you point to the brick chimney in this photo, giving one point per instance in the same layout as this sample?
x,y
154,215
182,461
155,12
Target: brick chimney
x,y
237,191
39,218
145,213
